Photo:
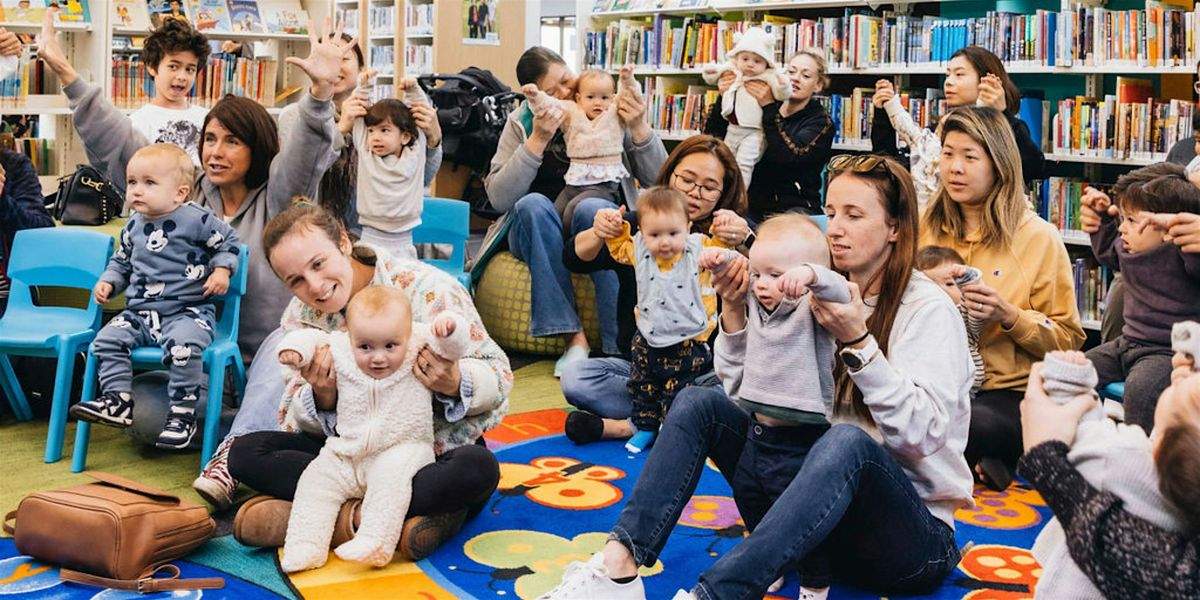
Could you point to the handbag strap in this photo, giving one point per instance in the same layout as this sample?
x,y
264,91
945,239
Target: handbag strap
x,y
148,584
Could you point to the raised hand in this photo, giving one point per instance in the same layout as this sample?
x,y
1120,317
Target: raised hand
x,y
407,83
51,53
443,326
609,223
794,283
324,61
991,92
884,91
1092,205
9,44
729,227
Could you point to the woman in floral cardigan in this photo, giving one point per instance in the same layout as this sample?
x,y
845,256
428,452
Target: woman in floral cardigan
x,y
311,253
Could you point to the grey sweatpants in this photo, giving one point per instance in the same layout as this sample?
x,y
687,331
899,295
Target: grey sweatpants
x,y
1145,369
183,336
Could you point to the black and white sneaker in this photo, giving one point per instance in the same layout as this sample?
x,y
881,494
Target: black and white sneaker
x,y
111,408
179,430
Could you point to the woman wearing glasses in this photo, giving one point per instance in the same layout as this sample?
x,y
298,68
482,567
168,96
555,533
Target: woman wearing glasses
x,y
527,173
879,489
799,135
1026,298
703,168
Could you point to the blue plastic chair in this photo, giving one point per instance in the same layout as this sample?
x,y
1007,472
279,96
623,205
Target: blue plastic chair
x,y
445,221
822,220
58,257
222,353
1114,391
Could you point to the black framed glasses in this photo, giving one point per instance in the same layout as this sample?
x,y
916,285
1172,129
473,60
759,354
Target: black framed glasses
x,y
686,184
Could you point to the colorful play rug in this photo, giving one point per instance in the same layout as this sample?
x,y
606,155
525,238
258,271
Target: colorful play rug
x,y
557,501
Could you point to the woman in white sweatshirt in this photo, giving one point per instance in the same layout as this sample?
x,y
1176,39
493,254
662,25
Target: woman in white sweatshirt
x,y
879,489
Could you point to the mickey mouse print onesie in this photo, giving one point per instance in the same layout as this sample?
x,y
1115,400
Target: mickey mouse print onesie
x,y
384,436
162,265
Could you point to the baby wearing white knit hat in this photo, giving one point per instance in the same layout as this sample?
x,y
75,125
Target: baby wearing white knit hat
x,y
751,58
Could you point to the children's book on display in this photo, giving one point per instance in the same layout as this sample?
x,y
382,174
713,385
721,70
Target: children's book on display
x,y
210,15
161,10
130,14
284,16
245,16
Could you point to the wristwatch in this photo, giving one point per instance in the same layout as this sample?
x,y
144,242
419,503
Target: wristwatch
x,y
749,241
857,358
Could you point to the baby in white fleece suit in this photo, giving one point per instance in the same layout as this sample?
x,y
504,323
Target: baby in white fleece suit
x,y
752,57
384,426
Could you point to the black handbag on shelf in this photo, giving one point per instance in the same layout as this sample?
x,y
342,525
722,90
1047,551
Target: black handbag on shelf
x,y
85,197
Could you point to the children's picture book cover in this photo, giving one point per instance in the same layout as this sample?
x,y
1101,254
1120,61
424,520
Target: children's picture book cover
x,y
23,11
210,15
161,10
130,14
245,16
71,11
284,16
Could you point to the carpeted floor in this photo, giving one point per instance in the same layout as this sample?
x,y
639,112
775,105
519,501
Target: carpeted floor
x,y
555,503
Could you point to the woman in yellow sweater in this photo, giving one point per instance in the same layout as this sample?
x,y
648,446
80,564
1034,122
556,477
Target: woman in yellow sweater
x,y
1026,298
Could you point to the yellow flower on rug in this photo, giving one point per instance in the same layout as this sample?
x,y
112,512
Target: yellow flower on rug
x,y
1011,509
536,560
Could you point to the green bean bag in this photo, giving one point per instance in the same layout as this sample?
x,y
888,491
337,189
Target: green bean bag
x,y
502,297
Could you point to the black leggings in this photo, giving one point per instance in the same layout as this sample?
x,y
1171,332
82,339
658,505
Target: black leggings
x,y
272,461
995,427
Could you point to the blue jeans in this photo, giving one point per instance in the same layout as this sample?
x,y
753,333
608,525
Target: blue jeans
x,y
264,390
850,494
536,239
605,282
601,386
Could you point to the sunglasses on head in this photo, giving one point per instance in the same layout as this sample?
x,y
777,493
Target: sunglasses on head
x,y
859,163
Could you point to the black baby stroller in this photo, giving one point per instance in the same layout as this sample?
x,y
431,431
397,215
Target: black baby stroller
x,y
472,107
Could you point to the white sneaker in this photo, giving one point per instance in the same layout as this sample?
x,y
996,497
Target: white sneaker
x,y
683,595
814,594
590,581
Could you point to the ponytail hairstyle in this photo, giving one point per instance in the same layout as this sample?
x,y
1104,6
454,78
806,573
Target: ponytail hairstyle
x,y
302,214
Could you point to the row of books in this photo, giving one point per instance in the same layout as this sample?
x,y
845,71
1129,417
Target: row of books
x,y
1109,128
244,16
418,19
616,5
40,151
348,17
418,59
1056,200
1091,289
382,91
1154,37
381,20
30,78
383,59
674,106
132,85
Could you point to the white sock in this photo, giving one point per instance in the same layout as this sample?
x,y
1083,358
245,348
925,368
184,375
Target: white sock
x,y
807,593
775,586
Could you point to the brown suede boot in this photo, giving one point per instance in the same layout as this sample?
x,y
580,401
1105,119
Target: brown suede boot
x,y
422,535
262,522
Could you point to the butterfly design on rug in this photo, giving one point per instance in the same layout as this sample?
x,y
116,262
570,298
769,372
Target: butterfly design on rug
x,y
560,482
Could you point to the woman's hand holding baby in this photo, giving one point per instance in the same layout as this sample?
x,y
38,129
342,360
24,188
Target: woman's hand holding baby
x,y
794,283
729,227
609,223
1043,419
1183,229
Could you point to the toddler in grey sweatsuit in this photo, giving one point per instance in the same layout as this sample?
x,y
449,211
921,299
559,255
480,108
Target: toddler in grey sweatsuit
x,y
776,362
171,258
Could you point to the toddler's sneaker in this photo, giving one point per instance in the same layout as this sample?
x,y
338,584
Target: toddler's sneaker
x,y
179,430
215,484
640,441
590,581
573,354
111,408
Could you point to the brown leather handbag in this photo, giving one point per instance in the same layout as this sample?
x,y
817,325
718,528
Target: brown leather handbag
x,y
119,533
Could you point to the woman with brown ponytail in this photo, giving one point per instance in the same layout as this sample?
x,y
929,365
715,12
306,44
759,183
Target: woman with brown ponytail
x,y
877,492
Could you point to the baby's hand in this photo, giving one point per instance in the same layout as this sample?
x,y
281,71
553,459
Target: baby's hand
x,y
713,259
609,222
408,83
794,283
443,326
1092,205
217,283
884,91
101,291
290,358
531,91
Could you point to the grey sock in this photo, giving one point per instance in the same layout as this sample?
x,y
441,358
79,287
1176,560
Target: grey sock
x,y
971,276
1063,381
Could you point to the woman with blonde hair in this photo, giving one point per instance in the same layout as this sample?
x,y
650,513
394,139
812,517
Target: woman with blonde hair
x,y
1026,297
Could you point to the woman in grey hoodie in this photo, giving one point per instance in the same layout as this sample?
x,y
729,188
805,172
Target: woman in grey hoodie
x,y
527,173
247,178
